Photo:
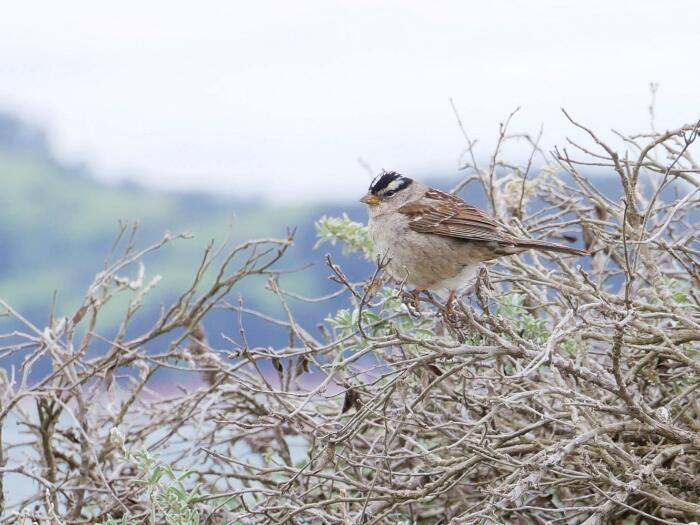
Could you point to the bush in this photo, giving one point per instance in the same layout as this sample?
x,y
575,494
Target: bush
x,y
557,391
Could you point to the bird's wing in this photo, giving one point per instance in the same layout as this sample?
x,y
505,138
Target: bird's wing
x,y
442,213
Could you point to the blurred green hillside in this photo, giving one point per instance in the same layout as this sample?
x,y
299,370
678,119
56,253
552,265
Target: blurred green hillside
x,y
58,223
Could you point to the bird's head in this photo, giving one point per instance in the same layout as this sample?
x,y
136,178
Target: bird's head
x,y
386,187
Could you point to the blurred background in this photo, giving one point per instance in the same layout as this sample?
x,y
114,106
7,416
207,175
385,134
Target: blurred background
x,y
249,117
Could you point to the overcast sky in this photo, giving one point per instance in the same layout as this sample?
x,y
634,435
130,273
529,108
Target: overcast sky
x,y
280,98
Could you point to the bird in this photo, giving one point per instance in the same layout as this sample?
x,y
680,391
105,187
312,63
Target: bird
x,y
434,240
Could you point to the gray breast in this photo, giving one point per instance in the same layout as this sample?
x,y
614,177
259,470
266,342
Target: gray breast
x,y
424,260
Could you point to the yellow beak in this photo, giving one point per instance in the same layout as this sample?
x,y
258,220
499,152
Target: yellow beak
x,y
370,200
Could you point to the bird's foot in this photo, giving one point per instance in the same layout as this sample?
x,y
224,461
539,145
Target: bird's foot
x,y
449,305
412,299
448,310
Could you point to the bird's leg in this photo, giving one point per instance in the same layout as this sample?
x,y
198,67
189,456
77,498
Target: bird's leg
x,y
450,298
450,319
448,309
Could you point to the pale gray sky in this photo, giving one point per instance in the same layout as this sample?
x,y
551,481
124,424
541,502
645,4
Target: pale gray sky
x,y
280,98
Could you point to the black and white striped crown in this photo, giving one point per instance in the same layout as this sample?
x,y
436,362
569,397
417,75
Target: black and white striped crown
x,y
388,183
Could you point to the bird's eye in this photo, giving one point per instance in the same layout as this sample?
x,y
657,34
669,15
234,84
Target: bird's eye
x,y
389,193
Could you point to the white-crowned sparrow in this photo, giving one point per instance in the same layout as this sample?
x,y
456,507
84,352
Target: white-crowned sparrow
x,y
435,240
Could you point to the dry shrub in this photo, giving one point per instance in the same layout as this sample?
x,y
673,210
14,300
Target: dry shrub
x,y
559,390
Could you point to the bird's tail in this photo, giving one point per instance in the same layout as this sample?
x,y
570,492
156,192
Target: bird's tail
x,y
546,246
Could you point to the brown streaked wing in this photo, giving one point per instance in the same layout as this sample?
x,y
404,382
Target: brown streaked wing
x,y
441,213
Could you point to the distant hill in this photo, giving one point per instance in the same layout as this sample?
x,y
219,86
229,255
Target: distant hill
x,y
58,223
